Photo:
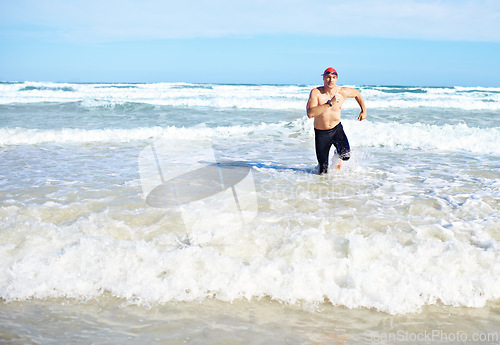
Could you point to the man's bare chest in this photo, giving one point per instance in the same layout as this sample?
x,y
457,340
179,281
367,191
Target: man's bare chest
x,y
337,102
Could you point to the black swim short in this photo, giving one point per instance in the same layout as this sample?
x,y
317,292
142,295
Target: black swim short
x,y
324,139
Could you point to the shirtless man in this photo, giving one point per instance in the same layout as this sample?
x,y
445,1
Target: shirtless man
x,y
324,106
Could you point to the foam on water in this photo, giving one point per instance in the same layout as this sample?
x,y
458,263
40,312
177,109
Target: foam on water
x,y
410,220
313,241
242,96
458,137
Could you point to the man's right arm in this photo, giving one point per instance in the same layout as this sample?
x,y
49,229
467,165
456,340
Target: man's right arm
x,y
313,108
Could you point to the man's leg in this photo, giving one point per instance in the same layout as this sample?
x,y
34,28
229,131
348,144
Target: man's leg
x,y
341,144
322,140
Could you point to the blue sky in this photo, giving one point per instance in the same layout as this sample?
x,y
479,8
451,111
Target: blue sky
x,y
405,42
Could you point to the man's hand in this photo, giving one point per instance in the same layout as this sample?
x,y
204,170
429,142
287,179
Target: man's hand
x,y
357,96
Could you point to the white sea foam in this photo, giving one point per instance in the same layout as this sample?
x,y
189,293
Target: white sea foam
x,y
413,223
242,96
420,136
416,136
150,264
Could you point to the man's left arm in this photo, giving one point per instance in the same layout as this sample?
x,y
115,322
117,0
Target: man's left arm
x,y
354,93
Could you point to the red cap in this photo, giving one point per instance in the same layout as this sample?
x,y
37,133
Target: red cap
x,y
330,70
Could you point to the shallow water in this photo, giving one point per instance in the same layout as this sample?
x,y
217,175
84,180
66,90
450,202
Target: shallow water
x,y
112,321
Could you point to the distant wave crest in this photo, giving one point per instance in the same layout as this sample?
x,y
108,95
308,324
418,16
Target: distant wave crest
x,y
244,96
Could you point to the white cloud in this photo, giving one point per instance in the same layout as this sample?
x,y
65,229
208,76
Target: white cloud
x,y
110,20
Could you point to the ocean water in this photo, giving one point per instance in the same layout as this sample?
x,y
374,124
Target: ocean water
x,y
401,245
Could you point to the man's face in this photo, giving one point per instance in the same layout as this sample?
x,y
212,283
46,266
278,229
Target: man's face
x,y
330,80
